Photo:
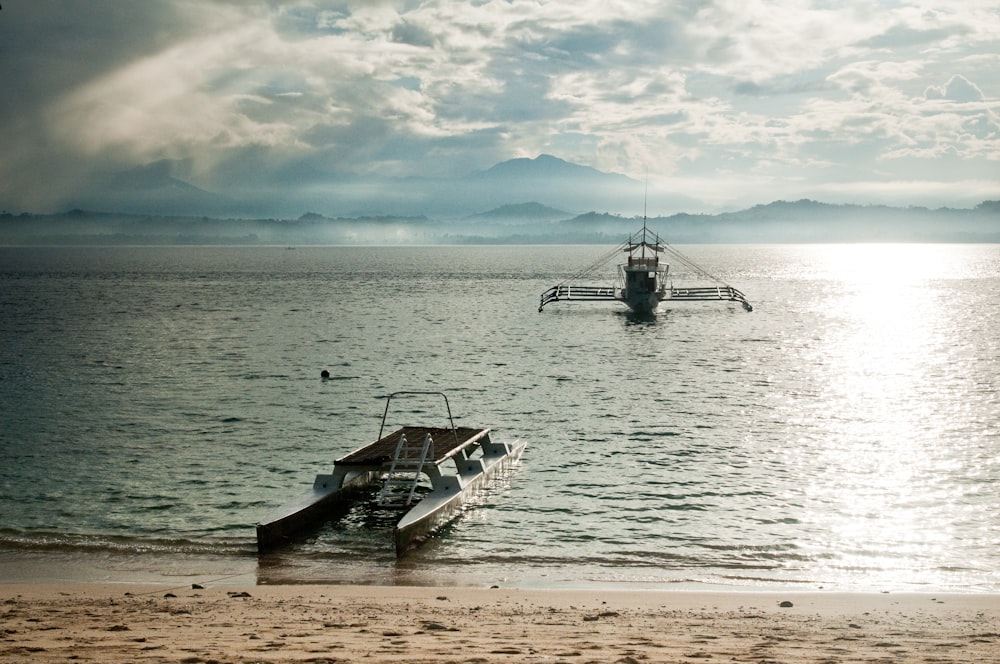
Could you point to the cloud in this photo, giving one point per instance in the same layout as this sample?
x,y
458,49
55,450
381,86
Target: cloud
x,y
903,36
787,95
958,89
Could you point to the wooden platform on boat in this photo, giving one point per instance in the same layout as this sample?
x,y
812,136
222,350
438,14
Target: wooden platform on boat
x,y
447,443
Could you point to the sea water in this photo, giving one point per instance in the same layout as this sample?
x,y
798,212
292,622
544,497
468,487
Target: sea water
x,y
157,401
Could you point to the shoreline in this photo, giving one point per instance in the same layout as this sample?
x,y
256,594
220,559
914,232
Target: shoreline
x,y
168,570
179,571
124,622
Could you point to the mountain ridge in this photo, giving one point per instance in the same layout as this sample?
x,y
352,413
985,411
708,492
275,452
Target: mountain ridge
x,y
529,210
802,221
547,166
161,188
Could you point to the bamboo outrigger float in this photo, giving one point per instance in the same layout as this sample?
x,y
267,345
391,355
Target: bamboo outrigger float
x,y
403,461
642,280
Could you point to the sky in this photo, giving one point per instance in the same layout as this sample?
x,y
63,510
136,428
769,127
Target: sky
x,y
729,103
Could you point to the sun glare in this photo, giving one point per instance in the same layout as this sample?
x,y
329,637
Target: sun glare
x,y
877,443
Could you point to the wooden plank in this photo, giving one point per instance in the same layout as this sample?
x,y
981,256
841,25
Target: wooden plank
x,y
381,451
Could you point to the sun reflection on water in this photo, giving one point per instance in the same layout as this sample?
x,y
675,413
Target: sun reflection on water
x,y
876,447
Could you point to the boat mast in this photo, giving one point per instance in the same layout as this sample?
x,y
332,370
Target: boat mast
x,y
645,197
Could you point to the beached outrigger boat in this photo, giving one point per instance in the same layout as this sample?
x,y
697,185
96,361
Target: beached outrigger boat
x,y
642,280
403,461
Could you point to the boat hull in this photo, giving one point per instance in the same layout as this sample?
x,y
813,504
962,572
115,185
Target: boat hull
x,y
642,303
329,493
644,288
450,492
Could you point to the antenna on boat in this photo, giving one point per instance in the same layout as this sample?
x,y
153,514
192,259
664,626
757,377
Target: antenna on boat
x,y
645,197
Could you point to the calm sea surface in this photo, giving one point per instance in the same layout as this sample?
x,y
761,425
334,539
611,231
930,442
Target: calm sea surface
x,y
156,402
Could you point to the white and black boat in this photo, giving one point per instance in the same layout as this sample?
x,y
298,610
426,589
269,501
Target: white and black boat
x,y
455,461
643,281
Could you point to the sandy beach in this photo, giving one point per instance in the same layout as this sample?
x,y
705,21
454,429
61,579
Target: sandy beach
x,y
292,623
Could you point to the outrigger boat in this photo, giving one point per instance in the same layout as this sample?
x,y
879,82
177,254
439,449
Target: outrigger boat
x,y
642,280
403,461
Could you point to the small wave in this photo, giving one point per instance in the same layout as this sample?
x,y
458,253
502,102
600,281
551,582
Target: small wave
x,y
41,542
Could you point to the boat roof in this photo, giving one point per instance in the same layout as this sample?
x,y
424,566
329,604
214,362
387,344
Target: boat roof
x,y
447,443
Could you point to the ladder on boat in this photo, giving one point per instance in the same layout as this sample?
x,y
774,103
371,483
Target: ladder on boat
x,y
407,464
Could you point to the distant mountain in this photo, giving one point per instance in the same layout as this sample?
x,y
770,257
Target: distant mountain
x,y
153,177
522,212
552,182
808,221
479,205
547,167
161,188
813,221
802,221
149,189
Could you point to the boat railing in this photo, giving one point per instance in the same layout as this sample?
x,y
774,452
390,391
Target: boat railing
x,y
709,293
388,400
570,292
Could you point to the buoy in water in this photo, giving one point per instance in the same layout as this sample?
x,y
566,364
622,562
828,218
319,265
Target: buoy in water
x,y
325,375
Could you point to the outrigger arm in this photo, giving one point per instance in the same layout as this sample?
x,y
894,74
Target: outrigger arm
x,y
565,292
569,293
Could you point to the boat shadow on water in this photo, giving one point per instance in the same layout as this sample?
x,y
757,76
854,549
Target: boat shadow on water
x,y
640,319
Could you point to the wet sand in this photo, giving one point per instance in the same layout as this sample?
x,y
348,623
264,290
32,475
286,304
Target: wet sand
x,y
292,623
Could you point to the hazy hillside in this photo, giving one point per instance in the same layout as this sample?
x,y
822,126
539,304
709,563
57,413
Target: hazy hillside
x,y
543,199
779,222
161,189
547,166
521,212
